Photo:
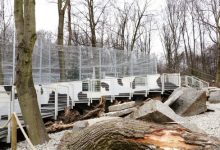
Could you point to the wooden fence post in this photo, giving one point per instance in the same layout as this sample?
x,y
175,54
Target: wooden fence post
x,y
14,133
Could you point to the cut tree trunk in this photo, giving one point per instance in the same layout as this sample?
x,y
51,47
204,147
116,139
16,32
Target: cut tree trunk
x,y
120,134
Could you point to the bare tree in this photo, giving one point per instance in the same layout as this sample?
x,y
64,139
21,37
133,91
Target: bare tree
x,y
69,24
2,39
172,32
5,22
24,12
212,20
138,16
122,19
89,20
62,5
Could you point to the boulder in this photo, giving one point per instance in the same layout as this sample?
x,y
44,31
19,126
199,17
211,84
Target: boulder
x,y
174,96
158,112
79,125
120,113
214,97
122,106
191,102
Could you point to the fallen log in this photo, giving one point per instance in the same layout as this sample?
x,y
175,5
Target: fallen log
x,y
122,106
97,111
131,134
69,115
58,126
120,113
79,125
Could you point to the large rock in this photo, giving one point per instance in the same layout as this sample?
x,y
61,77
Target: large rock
x,y
121,106
174,96
191,102
214,96
156,111
79,125
120,113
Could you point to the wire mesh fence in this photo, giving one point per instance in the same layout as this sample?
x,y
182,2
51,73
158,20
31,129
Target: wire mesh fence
x,y
80,62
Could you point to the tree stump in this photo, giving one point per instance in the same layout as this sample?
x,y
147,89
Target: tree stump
x,y
120,134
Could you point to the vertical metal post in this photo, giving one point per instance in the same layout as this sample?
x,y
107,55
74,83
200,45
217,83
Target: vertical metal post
x,y
40,71
14,52
155,58
68,102
93,72
13,71
179,79
12,100
163,82
100,63
115,62
80,63
186,80
131,63
49,63
56,103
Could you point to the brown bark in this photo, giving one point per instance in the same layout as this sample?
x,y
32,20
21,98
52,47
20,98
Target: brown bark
x,y
58,126
129,134
97,111
92,23
69,115
2,39
61,13
69,24
140,15
218,66
24,12
1,64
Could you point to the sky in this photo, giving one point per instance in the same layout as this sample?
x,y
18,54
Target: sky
x,y
47,15
47,19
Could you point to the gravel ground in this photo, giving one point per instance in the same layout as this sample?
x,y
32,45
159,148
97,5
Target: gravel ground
x,y
208,122
51,145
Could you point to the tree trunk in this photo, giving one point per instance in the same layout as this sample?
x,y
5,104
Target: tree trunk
x,y
24,12
120,134
1,64
60,45
61,12
69,24
92,23
2,39
218,67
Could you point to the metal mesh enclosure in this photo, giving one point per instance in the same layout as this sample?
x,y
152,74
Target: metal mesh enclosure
x,y
80,62
6,62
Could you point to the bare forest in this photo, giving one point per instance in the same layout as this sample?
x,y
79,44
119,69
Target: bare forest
x,y
188,31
